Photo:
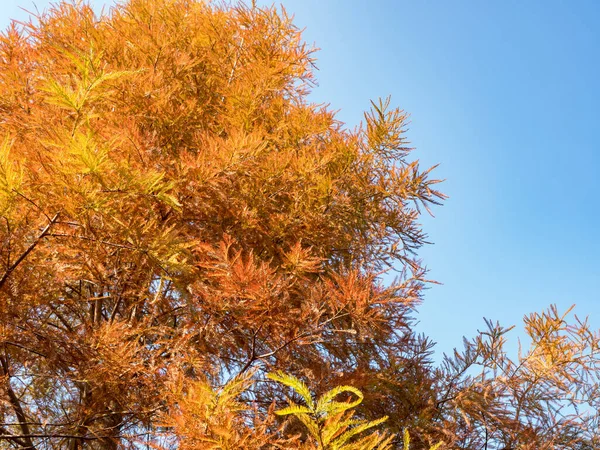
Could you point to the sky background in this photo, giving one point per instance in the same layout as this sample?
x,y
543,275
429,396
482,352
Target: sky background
x,y
505,97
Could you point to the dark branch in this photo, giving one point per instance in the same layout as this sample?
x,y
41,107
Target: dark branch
x,y
28,251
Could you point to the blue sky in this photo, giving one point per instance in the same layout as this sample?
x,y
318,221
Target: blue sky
x,y
504,95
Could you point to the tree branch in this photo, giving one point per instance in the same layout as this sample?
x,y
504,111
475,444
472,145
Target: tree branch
x,y
16,405
28,251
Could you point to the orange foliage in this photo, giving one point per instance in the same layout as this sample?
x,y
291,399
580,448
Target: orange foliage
x,y
173,206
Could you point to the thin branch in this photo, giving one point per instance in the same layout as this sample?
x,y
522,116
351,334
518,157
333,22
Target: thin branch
x,y
16,405
15,344
28,251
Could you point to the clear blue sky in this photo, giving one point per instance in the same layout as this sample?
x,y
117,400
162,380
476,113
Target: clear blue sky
x,y
504,95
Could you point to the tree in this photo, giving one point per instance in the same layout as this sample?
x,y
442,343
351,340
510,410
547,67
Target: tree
x,y
173,206
177,221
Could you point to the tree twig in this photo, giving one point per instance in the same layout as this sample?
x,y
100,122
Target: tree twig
x,y
28,251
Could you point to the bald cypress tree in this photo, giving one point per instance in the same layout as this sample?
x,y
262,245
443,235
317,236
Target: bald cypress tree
x,y
177,220
173,207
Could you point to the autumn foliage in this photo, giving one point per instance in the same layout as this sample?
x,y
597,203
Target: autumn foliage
x,y
177,220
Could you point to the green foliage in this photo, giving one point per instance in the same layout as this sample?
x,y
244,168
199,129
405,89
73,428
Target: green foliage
x,y
406,442
330,423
